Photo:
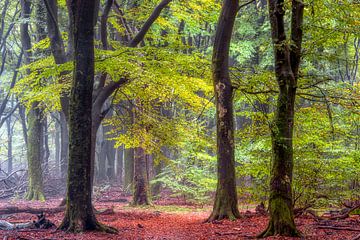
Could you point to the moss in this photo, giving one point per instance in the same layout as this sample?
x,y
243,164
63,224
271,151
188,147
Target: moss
x,y
34,156
281,220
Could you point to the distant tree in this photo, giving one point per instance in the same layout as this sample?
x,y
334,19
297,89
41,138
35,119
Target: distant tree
x,y
225,205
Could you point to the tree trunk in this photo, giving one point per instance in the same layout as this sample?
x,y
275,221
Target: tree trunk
x,y
64,147
57,147
287,61
129,167
46,150
35,140
225,205
79,215
101,156
120,164
9,148
34,135
141,181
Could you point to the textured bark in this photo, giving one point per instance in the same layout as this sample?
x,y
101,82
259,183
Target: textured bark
x,y
225,205
34,135
141,181
79,215
35,140
287,62
128,168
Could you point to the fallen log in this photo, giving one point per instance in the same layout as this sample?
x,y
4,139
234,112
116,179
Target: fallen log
x,y
345,214
12,210
340,228
41,223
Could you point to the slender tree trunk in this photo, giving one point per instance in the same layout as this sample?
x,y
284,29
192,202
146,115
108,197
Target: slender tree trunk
x,y
46,150
129,167
64,147
9,148
225,205
57,147
287,62
23,124
120,164
79,215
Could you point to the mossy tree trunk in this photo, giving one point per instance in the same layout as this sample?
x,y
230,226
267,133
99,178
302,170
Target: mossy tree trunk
x,y
79,215
35,140
34,134
225,205
287,62
141,182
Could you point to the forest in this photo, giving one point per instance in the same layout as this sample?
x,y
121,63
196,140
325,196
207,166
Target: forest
x,y
179,119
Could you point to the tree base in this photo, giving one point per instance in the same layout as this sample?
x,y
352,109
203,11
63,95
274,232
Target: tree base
x,y
33,195
281,220
279,230
140,203
220,214
77,226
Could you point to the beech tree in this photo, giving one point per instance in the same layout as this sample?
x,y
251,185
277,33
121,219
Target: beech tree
x,y
225,205
287,62
79,214
35,136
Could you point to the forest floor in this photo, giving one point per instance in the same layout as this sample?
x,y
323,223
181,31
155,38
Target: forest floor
x,y
165,220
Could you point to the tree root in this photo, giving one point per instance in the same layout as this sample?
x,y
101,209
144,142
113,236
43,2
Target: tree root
x,y
221,214
78,225
33,195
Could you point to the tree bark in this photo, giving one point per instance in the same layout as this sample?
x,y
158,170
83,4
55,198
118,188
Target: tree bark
x,y
225,205
34,142
128,168
79,215
287,62
141,181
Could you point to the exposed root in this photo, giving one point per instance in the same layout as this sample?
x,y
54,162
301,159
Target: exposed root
x,y
33,195
217,215
77,226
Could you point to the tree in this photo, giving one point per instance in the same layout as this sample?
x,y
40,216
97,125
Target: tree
x,y
35,136
225,205
287,62
79,215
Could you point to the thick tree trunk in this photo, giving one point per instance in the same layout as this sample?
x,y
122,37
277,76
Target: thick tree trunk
x,y
35,140
225,205
141,181
34,135
79,215
287,62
